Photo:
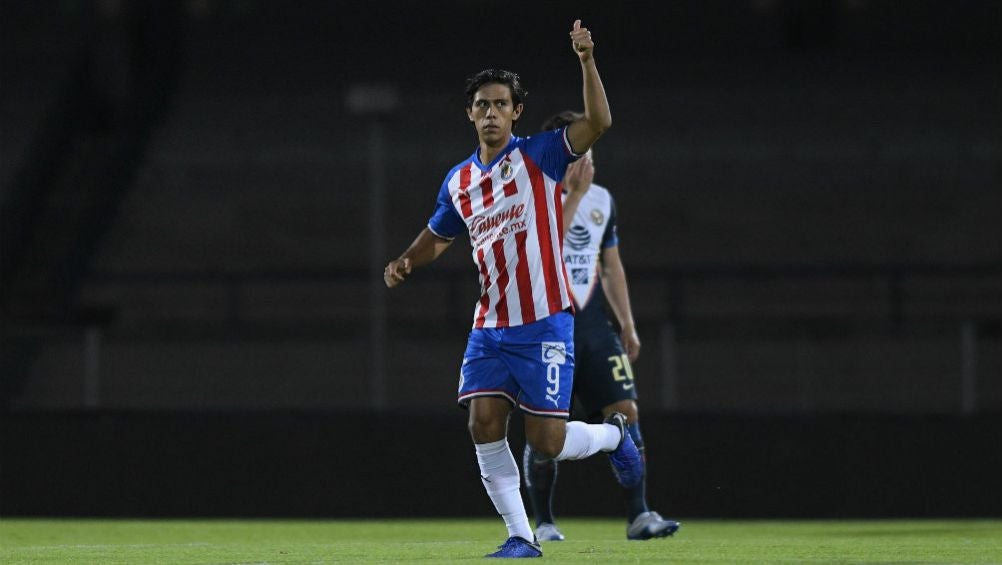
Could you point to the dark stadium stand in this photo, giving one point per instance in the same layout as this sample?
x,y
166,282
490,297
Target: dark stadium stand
x,y
36,57
808,197
791,213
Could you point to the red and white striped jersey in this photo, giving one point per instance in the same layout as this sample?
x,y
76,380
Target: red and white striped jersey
x,y
512,210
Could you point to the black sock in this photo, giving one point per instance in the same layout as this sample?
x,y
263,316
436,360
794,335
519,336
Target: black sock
x,y
636,496
540,478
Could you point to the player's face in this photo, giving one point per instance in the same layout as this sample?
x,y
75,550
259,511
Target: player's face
x,y
493,113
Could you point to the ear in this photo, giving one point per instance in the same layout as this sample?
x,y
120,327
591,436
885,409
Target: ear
x,y
469,113
517,112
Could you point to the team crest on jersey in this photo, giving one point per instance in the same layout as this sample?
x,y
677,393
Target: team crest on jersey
x,y
554,352
507,171
598,217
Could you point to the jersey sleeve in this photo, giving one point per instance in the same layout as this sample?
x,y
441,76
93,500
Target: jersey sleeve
x,y
551,150
445,222
610,237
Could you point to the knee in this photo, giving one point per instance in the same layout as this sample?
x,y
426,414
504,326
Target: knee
x,y
488,421
546,435
486,430
538,460
547,446
548,450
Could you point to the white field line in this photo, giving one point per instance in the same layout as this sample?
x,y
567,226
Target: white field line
x,y
111,546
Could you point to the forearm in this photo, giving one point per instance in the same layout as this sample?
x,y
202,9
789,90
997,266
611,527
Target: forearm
x,y
597,116
617,292
425,248
596,105
583,133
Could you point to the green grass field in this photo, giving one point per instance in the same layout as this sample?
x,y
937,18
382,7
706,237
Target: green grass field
x,y
176,542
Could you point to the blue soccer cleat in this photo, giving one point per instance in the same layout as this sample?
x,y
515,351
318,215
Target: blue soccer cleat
x,y
627,464
651,525
517,548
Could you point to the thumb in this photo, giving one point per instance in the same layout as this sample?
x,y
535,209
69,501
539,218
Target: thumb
x,y
407,265
577,25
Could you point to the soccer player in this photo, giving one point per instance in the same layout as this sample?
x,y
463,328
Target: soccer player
x,y
521,349
603,378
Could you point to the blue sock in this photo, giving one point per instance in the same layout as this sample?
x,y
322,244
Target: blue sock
x,y
636,496
540,479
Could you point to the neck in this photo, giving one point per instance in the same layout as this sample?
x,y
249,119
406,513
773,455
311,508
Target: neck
x,y
488,151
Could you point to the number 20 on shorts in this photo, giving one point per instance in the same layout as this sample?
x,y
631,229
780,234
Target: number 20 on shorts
x,y
621,370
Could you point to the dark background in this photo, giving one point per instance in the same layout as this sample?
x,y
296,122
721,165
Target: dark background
x,y
197,198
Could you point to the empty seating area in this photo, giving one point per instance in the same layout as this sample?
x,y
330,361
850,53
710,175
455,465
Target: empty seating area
x,y
789,221
38,57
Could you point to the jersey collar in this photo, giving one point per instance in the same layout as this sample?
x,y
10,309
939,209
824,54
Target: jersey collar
x,y
498,157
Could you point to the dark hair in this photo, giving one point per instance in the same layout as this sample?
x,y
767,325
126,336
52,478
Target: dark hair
x,y
507,78
562,119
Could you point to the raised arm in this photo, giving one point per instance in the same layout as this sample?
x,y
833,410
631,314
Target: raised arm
x,y
426,248
598,118
618,296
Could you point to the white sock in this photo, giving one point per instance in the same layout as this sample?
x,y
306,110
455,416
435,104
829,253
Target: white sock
x,y
584,440
499,473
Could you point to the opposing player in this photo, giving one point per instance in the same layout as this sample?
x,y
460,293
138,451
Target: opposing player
x,y
521,349
603,378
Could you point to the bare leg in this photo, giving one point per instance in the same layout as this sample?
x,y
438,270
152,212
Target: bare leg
x,y
488,419
626,407
545,435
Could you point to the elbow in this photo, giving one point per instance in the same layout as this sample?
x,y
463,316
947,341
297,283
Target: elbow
x,y
598,122
601,124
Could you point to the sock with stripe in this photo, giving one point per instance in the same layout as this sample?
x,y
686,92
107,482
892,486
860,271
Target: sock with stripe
x,y
584,440
499,474
540,480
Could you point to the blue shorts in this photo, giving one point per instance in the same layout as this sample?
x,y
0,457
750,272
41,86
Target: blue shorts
x,y
531,365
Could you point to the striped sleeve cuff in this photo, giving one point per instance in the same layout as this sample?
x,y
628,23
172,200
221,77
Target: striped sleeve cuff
x,y
438,235
567,144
